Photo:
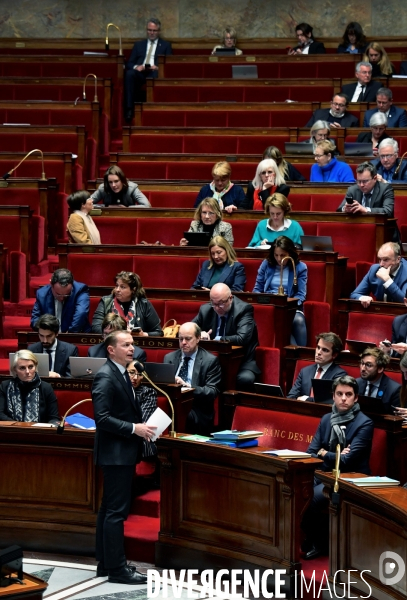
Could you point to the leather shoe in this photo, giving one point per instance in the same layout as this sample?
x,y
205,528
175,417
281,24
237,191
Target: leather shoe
x,y
129,576
313,553
101,571
128,116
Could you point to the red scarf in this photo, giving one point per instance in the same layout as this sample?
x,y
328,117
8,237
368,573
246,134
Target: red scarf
x,y
257,201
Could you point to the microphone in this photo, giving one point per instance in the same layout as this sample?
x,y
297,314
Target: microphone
x,y
399,165
43,178
107,37
61,426
95,99
141,369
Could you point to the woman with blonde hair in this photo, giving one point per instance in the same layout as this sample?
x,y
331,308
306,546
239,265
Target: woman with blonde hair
x,y
208,218
378,58
229,40
268,230
267,181
327,168
229,196
222,267
287,171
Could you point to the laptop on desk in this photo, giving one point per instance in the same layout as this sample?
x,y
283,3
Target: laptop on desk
x,y
317,242
358,149
197,238
322,391
298,148
43,363
372,405
160,372
85,366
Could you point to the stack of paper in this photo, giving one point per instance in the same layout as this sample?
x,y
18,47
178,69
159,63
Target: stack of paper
x,y
372,481
233,435
288,453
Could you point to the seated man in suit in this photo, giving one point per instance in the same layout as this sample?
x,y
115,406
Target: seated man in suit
x,y
201,370
229,318
67,300
329,345
364,89
58,352
374,383
337,115
143,63
114,322
369,195
390,168
347,426
396,117
398,344
386,281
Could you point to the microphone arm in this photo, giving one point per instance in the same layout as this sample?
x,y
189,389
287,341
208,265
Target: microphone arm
x,y
280,287
95,99
60,428
399,165
107,37
43,178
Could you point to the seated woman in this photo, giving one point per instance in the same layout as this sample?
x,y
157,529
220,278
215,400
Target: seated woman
x,y
116,189
229,40
128,299
208,217
353,40
266,182
81,227
318,133
378,58
147,399
26,398
268,230
268,281
229,196
287,171
377,133
306,43
328,169
222,267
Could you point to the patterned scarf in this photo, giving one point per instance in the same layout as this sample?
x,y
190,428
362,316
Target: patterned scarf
x,y
26,409
338,435
218,195
130,317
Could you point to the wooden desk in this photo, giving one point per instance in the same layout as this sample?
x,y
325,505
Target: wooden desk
x,y
228,508
367,523
33,588
50,490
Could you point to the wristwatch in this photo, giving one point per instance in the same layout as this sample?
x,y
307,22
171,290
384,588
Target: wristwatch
x,y
320,452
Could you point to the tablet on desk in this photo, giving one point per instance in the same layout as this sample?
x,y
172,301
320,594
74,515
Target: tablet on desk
x,y
322,391
372,405
197,238
358,346
268,390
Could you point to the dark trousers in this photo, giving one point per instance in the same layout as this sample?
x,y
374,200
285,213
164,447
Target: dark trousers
x,y
245,380
315,522
113,511
133,84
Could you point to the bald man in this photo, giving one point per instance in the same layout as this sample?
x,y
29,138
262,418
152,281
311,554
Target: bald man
x,y
229,318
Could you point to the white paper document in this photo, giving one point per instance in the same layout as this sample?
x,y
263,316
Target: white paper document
x,y
159,419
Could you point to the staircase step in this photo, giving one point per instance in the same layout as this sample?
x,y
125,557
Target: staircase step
x,y
147,505
13,324
19,309
6,346
140,536
40,269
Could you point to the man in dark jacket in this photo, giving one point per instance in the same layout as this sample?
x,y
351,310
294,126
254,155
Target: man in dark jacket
x,y
58,351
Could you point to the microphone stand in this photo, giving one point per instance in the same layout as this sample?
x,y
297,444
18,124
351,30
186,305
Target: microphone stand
x,y
95,99
281,287
60,428
107,37
43,178
336,472
399,165
172,432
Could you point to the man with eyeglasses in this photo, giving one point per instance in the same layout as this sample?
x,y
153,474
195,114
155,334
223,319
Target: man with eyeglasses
x,y
337,115
390,168
386,281
374,383
114,322
369,195
143,64
199,369
67,300
396,117
228,318
364,89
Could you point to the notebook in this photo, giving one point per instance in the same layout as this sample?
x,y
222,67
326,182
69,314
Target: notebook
x,y
43,363
85,366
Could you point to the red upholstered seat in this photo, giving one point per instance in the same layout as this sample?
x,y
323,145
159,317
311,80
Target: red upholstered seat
x,y
251,267
369,328
67,398
318,318
264,317
182,312
325,202
309,227
157,354
150,142
316,288
169,231
342,235
159,306
16,196
268,360
243,230
300,201
281,429
98,270
362,268
172,272
378,456
117,230
172,199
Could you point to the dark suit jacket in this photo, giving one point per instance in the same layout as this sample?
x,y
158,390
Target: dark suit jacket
x,y
233,276
99,351
370,92
115,411
206,378
264,194
399,332
241,329
48,405
371,284
399,177
75,310
382,200
62,354
139,52
323,114
359,434
389,392
397,117
302,385
317,48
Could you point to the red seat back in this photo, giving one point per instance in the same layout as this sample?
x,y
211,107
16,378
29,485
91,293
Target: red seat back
x,y
268,360
117,230
172,272
98,269
169,231
343,233
264,317
374,329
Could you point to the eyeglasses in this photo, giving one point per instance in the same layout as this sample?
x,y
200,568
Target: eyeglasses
x,y
317,156
364,181
134,374
386,156
267,173
339,105
368,365
220,304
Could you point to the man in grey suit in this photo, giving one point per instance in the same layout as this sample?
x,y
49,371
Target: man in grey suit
x,y
58,352
230,319
364,89
329,345
368,195
197,368
118,444
114,322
